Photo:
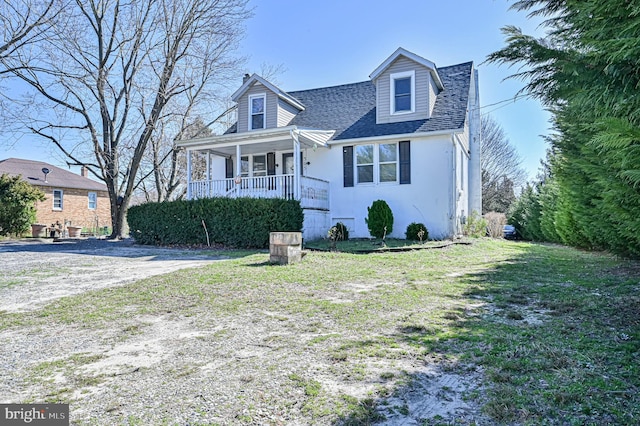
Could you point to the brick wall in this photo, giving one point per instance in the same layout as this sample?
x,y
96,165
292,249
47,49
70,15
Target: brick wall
x,y
75,209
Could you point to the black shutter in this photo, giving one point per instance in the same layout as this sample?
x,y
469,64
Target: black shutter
x,y
301,163
347,164
228,166
271,163
405,162
271,169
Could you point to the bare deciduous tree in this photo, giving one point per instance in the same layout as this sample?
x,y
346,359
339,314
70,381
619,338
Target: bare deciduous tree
x,y
23,22
501,167
109,74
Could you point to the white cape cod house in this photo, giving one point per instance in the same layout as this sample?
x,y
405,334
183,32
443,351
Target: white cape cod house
x,y
410,136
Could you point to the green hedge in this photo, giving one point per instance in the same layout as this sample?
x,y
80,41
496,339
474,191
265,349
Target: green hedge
x,y
233,222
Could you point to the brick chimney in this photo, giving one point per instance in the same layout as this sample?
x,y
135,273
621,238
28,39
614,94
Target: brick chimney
x,y
84,172
245,78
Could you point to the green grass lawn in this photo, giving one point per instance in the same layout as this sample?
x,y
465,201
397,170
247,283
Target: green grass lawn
x,y
552,333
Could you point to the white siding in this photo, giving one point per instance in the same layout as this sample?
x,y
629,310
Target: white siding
x,y
423,98
428,199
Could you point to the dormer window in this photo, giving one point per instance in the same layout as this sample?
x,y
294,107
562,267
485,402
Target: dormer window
x,y
256,111
403,92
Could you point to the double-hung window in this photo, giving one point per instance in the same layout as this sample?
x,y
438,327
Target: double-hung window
x,y
93,200
388,162
364,163
377,163
244,166
403,92
57,199
257,111
259,165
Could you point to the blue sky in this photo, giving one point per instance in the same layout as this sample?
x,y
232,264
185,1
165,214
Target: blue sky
x,y
331,42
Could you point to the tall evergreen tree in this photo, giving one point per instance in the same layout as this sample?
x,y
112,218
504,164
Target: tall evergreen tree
x,y
586,71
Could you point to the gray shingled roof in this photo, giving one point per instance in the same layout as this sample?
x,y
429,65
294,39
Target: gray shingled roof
x,y
350,109
31,171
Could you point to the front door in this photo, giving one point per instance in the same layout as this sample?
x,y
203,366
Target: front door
x,y
287,161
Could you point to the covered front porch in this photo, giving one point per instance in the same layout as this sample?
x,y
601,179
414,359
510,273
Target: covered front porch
x,y
260,164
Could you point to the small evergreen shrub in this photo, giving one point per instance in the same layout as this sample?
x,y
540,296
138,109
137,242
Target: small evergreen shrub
x,y
379,219
17,205
417,232
476,226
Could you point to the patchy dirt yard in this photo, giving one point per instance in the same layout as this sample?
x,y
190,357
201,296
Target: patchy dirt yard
x,y
175,362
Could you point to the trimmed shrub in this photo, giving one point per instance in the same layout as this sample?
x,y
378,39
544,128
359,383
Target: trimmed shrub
x,y
232,222
379,219
495,224
413,232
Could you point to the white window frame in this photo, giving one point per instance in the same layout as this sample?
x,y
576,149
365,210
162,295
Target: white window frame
x,y
373,164
376,164
392,89
61,200
92,196
246,173
264,112
396,162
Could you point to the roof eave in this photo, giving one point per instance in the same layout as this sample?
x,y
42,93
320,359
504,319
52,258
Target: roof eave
x,y
397,136
317,136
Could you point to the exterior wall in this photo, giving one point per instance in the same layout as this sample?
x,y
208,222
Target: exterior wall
x,y
423,85
315,225
271,108
428,199
75,209
286,113
462,186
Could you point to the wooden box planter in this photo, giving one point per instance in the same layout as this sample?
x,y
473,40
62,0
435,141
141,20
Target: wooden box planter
x,y
285,247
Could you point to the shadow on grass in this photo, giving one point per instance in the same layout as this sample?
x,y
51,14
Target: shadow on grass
x,y
550,335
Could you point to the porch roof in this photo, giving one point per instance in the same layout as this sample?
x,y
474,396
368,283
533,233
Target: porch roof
x,y
259,141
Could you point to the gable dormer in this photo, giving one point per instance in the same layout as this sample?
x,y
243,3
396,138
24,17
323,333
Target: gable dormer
x,y
262,105
406,87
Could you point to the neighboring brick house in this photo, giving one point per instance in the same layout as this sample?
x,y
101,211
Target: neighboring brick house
x,y
71,199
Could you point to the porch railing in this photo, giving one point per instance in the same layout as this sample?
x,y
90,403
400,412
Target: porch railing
x,y
314,193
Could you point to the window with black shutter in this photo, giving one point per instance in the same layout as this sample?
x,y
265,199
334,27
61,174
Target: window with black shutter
x,y
405,162
347,164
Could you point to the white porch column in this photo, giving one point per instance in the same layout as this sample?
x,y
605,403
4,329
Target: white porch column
x,y
189,192
297,167
238,167
208,174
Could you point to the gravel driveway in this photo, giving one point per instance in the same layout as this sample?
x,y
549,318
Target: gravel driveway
x,y
46,270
